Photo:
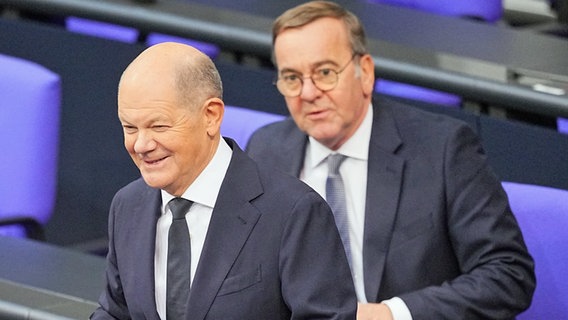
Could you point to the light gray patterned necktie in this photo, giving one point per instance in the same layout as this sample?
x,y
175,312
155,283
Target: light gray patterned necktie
x,y
335,193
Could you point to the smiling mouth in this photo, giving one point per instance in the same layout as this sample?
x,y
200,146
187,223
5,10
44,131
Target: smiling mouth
x,y
153,162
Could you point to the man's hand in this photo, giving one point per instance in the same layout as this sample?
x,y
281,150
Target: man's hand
x,y
373,311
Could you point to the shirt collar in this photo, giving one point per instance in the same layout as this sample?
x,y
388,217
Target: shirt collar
x,y
205,189
355,147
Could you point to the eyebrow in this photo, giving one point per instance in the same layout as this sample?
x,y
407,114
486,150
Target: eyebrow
x,y
145,123
313,67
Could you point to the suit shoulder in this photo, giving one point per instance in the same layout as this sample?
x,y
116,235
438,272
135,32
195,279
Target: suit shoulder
x,y
275,132
283,190
420,132
275,143
427,117
135,187
284,126
274,178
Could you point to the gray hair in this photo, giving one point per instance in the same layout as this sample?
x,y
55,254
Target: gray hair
x,y
311,11
198,80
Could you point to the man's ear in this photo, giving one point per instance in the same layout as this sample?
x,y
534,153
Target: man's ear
x,y
214,109
367,74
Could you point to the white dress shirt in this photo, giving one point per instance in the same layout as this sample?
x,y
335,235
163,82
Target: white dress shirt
x,y
354,174
203,192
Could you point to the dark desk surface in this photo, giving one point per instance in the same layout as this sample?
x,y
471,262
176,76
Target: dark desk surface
x,y
47,282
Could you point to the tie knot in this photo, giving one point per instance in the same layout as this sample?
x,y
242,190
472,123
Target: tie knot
x,y
334,161
179,207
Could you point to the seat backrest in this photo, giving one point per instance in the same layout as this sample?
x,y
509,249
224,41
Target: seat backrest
x,y
29,125
210,49
408,91
486,10
240,123
101,29
542,213
131,35
562,124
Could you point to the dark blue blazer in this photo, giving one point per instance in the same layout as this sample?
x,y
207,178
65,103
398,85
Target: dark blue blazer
x,y
439,232
272,251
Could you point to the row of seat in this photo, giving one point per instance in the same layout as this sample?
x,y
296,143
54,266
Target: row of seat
x,y
132,35
487,11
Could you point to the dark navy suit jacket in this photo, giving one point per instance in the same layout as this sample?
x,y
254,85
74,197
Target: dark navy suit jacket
x,y
439,232
272,251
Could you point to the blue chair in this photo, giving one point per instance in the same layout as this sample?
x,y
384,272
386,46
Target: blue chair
x,y
484,10
130,35
408,91
562,124
211,50
240,123
542,213
29,127
101,29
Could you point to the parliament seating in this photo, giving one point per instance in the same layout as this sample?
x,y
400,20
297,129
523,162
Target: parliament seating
x,y
542,214
240,123
132,35
29,127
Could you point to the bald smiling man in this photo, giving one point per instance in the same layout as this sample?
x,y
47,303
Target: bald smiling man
x,y
263,245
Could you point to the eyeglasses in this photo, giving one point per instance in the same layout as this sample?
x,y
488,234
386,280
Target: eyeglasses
x,y
290,84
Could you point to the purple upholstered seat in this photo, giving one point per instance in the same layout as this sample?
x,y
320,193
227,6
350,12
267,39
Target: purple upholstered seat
x,y
409,91
130,35
240,123
487,10
211,50
101,29
542,214
562,125
29,126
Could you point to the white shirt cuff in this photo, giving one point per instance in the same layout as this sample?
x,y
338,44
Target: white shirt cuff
x,y
398,309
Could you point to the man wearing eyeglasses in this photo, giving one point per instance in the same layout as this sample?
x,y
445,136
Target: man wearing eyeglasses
x,y
428,230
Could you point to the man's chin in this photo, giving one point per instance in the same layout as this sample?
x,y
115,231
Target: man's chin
x,y
325,136
153,181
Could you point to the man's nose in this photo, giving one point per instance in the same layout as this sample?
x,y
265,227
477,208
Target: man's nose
x,y
309,89
144,142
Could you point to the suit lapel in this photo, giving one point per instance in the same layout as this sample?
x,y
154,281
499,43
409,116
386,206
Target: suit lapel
x,y
292,149
295,151
232,221
144,226
384,180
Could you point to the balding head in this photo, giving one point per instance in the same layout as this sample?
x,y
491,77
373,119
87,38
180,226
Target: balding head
x,y
178,66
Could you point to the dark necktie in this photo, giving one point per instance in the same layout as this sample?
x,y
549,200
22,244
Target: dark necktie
x,y
335,193
179,261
